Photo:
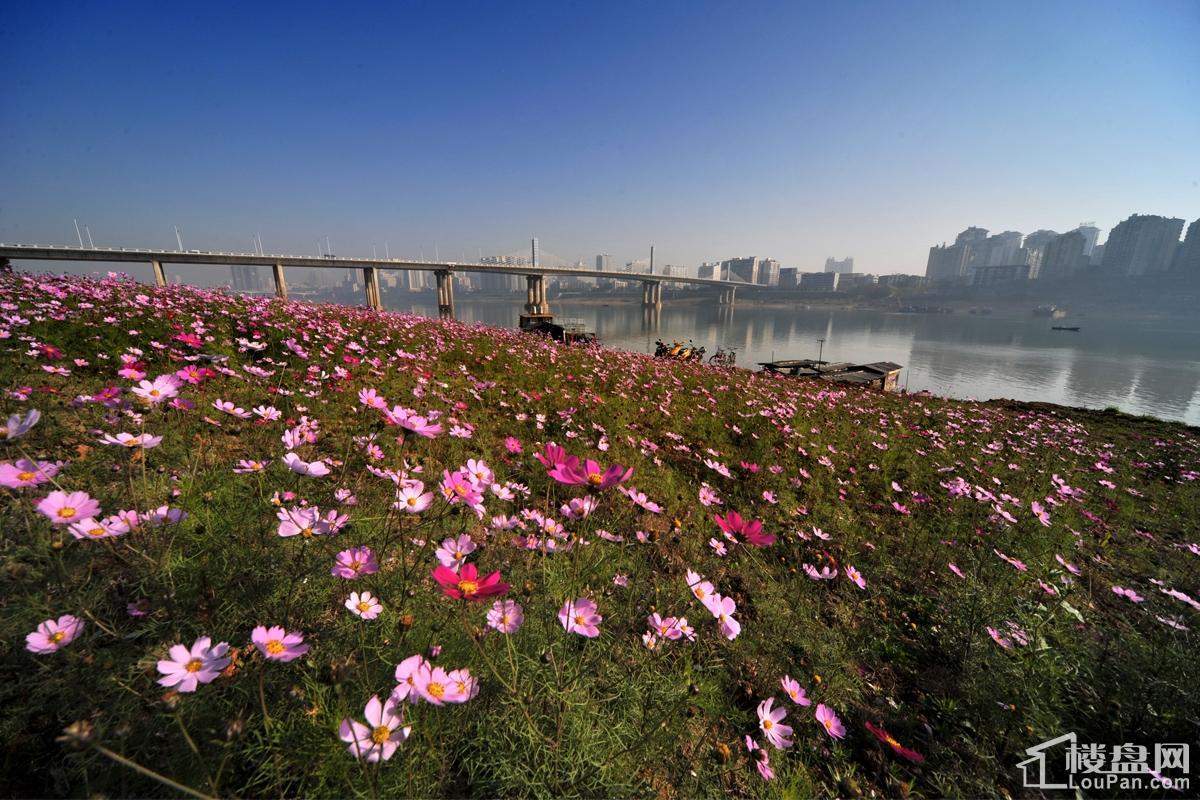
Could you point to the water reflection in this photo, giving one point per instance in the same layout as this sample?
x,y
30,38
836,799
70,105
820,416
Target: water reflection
x,y
1140,366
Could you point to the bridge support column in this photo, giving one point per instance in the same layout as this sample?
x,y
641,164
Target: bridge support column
x,y
280,282
535,295
371,282
651,293
726,296
160,275
445,292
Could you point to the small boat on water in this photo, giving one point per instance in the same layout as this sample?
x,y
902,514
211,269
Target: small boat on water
x,y
1064,328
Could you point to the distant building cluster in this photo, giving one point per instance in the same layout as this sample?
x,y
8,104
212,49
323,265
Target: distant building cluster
x,y
1143,244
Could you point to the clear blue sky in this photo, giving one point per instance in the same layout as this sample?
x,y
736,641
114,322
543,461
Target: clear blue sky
x,y
791,130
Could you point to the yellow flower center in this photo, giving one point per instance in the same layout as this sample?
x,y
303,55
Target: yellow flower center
x,y
595,478
767,724
364,606
154,393
26,476
194,665
58,636
468,587
437,690
306,532
579,619
274,647
96,532
66,512
700,593
381,734
412,501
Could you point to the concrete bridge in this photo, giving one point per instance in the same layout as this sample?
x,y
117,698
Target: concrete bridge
x,y
536,303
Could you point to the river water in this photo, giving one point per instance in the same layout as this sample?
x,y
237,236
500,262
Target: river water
x,y
1139,366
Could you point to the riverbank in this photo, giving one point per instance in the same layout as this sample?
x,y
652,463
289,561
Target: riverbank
x,y
971,578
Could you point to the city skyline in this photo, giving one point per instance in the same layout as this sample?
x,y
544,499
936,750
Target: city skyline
x,y
428,128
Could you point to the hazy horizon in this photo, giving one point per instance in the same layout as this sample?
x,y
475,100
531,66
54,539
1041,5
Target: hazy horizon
x,y
797,132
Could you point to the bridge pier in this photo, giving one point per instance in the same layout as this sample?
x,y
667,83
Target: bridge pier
x,y
280,282
726,297
536,303
652,294
445,293
160,275
371,282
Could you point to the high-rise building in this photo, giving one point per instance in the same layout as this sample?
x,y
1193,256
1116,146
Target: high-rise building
x,y
501,281
1188,258
743,269
1063,256
971,235
1090,234
845,266
1142,244
789,278
709,271
948,263
819,281
603,263
1097,256
1039,239
993,251
768,272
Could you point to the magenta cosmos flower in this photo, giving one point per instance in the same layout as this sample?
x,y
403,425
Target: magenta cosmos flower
x,y
437,686
830,722
580,616
276,644
364,605
53,634
164,387
553,456
313,469
750,530
505,616
24,472
379,739
589,473
186,669
64,508
354,563
466,583
770,721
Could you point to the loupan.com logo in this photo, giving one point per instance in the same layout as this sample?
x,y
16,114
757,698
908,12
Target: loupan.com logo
x,y
1066,763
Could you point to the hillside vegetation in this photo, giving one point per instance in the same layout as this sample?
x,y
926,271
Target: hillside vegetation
x,y
560,571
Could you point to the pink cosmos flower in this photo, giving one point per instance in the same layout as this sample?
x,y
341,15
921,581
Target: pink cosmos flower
x,y
589,473
954,568
17,426
701,589
247,466
454,551
379,739
142,440
406,678
856,577
231,409
24,472
91,528
1128,594
830,722
505,616
277,644
460,487
466,583
825,574
354,563
372,399
640,499
512,444
722,609
750,530
187,669
708,497
762,761
301,521
580,616
769,720
164,387
435,685
63,508
795,691
479,472
313,469
412,497
553,456
53,634
364,605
